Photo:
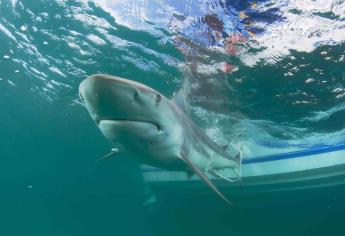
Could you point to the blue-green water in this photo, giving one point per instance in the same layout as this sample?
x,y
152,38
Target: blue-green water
x,y
288,92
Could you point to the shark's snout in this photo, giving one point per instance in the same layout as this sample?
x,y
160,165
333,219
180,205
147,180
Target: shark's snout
x,y
112,98
124,109
108,97
95,86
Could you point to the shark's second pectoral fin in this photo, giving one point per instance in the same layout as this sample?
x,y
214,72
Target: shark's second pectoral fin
x,y
205,179
112,152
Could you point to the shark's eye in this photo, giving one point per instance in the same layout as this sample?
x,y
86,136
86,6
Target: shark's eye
x,y
158,99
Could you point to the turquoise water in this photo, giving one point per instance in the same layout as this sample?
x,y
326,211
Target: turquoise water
x,y
287,93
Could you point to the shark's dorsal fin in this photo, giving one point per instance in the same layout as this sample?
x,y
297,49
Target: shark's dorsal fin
x,y
205,179
180,99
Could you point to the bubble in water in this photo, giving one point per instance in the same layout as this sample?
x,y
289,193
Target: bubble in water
x,y
11,83
23,28
340,96
337,90
6,57
309,80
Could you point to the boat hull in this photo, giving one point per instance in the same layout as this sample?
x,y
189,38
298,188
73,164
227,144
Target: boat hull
x,y
311,168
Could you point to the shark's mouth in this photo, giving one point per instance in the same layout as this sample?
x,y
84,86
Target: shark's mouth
x,y
119,120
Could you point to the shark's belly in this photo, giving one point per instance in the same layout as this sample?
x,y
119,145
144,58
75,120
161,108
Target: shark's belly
x,y
208,160
165,162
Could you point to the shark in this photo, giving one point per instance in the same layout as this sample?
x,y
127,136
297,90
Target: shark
x,y
155,130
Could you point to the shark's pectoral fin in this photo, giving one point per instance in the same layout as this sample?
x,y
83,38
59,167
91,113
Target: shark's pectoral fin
x,y
205,179
112,152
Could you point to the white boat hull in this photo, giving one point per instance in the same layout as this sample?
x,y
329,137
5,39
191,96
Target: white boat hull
x,y
312,168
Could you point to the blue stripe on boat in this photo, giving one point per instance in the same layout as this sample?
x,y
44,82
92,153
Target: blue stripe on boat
x,y
288,155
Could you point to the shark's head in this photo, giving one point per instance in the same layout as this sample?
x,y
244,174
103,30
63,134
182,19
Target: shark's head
x,y
131,115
